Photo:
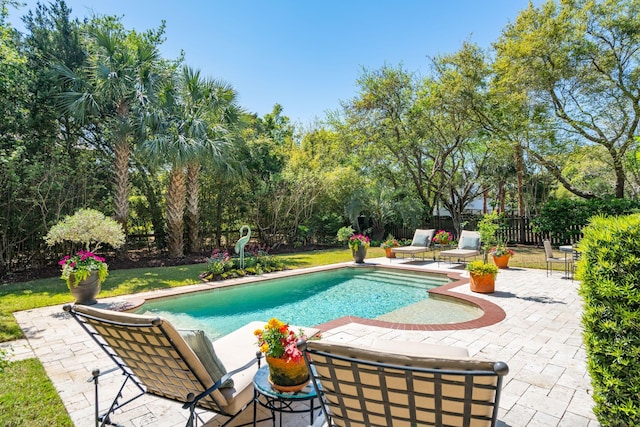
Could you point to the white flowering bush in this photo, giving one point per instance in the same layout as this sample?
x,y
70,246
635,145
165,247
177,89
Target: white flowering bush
x,y
89,227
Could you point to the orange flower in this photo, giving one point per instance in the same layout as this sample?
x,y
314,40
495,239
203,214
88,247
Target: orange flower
x,y
277,340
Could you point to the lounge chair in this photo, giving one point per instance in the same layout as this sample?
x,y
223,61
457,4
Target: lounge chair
x,y
404,384
161,361
548,252
421,243
468,246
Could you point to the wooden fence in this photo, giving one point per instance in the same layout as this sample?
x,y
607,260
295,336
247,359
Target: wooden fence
x,y
517,230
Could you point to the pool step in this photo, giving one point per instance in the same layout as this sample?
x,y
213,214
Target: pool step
x,y
413,280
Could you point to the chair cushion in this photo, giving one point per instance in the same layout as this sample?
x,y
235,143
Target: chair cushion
x,y
418,349
469,243
420,240
202,347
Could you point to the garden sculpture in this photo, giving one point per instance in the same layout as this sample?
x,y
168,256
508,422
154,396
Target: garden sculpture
x,y
244,238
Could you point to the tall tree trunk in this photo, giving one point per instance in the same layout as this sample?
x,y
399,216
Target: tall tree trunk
x,y
175,212
519,160
191,214
121,152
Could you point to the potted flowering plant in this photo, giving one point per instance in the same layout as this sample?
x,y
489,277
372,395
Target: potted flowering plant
x,y
388,245
84,272
442,237
79,267
287,368
501,254
483,276
358,243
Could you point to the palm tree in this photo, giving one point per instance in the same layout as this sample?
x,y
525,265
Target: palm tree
x,y
224,120
115,89
190,126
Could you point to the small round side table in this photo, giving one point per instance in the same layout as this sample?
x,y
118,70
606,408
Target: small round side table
x,y
277,401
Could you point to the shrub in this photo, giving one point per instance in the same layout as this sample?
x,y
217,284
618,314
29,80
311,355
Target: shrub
x,y
257,261
609,271
562,220
480,268
90,228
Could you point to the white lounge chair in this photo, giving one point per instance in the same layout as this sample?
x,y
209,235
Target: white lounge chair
x,y
468,246
421,243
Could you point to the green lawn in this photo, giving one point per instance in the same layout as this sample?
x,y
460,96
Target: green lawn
x,y
28,398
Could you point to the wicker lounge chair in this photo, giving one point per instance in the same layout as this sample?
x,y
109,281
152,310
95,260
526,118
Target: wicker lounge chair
x,y
161,361
468,246
377,386
421,243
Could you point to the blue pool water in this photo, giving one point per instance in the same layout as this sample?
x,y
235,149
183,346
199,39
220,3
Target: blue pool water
x,y
308,299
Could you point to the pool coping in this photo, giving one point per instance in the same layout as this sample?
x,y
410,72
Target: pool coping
x,y
492,313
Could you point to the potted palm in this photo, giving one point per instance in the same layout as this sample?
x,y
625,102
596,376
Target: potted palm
x,y
85,271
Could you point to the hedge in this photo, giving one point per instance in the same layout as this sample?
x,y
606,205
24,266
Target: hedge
x,y
609,271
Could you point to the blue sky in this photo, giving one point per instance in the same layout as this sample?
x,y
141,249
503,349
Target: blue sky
x,y
305,55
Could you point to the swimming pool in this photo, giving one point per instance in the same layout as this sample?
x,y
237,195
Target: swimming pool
x,y
315,298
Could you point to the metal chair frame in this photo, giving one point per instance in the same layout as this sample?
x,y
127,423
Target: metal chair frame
x,y
192,399
337,393
550,259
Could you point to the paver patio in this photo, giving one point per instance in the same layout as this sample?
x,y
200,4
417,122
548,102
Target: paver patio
x,y
540,339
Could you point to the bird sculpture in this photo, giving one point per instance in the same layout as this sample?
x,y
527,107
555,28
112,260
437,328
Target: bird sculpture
x,y
244,239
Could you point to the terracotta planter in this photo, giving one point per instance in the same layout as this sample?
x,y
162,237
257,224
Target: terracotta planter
x,y
388,253
484,284
359,254
85,291
287,376
501,261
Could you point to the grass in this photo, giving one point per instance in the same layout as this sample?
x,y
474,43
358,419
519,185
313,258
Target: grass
x,y
28,397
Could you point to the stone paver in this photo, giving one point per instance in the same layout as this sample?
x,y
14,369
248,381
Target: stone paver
x,y
540,339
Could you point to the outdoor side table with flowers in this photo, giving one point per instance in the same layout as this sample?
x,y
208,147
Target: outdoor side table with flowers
x,y
501,255
287,369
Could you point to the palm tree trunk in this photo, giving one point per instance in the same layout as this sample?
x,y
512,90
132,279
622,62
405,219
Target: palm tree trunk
x,y
175,212
121,153
191,214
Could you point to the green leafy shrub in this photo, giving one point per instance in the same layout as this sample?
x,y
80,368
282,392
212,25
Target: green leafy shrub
x,y
563,220
609,271
221,265
89,227
480,268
